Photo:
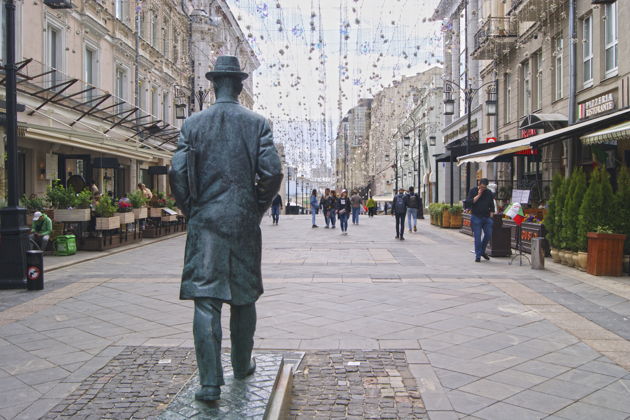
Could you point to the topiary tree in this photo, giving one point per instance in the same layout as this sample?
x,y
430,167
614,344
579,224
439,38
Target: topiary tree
x,y
565,231
596,206
552,210
561,198
572,209
622,206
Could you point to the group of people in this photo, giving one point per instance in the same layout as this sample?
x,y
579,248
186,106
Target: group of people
x,y
407,205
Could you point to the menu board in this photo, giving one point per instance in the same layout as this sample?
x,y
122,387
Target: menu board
x,y
520,196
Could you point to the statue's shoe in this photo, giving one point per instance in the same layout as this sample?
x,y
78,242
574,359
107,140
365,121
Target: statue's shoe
x,y
249,371
208,393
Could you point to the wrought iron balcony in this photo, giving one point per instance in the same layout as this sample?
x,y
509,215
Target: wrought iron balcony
x,y
495,34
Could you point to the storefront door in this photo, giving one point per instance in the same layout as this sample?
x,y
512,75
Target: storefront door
x,y
75,165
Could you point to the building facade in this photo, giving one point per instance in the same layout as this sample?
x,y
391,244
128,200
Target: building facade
x,y
101,88
352,147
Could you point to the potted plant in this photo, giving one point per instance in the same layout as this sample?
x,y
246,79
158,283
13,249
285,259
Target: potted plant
x,y
170,204
570,212
125,212
551,217
105,210
138,202
455,212
157,203
605,248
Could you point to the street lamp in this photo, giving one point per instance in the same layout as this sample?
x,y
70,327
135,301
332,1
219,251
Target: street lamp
x,y
431,140
180,111
201,96
469,93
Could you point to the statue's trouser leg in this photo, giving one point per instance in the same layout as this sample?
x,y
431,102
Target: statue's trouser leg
x,y
207,334
242,328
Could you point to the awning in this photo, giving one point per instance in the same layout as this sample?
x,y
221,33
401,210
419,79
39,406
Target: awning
x,y
544,121
105,163
540,140
158,170
609,135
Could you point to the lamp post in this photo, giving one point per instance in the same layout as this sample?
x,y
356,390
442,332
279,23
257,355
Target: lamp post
x,y
469,93
200,96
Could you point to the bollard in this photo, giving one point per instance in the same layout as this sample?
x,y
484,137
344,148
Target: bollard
x,y
538,254
35,270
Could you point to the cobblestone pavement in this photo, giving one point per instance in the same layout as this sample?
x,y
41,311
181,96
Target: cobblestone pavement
x,y
355,385
482,340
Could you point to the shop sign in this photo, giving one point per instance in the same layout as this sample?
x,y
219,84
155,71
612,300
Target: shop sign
x,y
528,132
491,139
597,106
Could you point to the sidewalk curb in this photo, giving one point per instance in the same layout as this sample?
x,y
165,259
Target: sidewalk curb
x,y
103,254
280,399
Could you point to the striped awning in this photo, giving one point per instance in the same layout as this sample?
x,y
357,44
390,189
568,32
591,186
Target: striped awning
x,y
610,135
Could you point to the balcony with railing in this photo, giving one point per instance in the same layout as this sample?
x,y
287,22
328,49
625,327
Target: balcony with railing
x,y
534,10
495,34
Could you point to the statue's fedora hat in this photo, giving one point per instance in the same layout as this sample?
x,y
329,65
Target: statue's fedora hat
x,y
226,65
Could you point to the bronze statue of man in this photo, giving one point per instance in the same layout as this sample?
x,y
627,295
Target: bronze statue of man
x,y
224,175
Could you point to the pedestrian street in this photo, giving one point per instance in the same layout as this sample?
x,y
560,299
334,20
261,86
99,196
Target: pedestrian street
x,y
386,329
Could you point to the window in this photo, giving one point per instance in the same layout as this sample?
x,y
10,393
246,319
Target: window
x,y
537,79
141,101
154,29
557,67
611,38
526,89
165,38
119,9
587,50
154,102
54,52
175,47
165,108
121,86
89,70
507,112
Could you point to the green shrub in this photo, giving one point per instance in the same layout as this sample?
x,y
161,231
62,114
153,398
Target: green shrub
x,y
596,207
137,199
33,203
83,199
105,207
456,209
558,222
59,196
552,211
571,210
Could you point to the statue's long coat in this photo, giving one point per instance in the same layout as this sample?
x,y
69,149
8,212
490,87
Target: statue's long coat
x,y
238,174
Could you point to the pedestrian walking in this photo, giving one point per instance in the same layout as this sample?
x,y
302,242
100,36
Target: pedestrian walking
x,y
331,205
356,202
322,206
343,210
276,205
371,206
314,207
413,203
386,207
399,209
213,165
480,201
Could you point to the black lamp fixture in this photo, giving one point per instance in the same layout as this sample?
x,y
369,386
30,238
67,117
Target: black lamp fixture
x,y
449,102
432,140
406,141
180,111
491,102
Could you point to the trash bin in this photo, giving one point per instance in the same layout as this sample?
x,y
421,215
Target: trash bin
x,y
35,270
65,245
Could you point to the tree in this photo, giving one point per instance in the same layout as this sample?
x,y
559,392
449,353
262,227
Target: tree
x,y
558,222
552,211
596,206
572,209
565,214
622,206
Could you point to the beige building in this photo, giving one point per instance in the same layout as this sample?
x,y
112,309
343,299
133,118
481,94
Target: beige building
x,y
352,147
526,46
102,84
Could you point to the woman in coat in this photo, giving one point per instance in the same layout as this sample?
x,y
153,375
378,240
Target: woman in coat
x,y
314,207
343,210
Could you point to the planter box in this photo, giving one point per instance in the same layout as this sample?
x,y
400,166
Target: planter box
x,y
74,215
125,218
107,223
140,213
605,254
101,243
456,221
155,211
446,219
169,218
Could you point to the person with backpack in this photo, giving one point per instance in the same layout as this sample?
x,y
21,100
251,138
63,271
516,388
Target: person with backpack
x,y
399,209
413,204
356,203
343,210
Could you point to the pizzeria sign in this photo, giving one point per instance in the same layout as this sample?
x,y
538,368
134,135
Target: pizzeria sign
x,y
596,106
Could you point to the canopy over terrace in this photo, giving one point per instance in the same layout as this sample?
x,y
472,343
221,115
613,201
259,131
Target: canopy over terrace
x,y
502,151
95,110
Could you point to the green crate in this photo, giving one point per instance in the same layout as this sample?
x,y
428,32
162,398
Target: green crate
x,y
65,245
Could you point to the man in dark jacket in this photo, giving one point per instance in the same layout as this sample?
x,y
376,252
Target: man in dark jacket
x,y
481,201
224,175
322,205
276,206
399,209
